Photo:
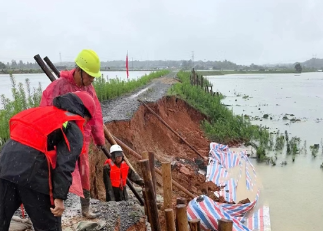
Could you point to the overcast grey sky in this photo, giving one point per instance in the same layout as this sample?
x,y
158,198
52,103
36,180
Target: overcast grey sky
x,y
242,31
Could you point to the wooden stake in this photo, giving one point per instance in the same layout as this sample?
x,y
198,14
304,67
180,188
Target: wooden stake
x,y
146,205
169,216
144,155
155,225
152,169
167,184
225,225
195,225
181,218
180,201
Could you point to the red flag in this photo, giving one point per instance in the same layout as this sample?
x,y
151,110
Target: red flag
x,y
127,66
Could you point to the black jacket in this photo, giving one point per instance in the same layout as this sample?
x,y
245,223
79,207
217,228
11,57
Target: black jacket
x,y
28,167
114,193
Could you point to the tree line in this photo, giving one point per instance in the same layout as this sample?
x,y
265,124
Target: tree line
x,y
160,64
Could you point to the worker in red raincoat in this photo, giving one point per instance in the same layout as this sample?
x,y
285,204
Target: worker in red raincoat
x,y
37,162
80,79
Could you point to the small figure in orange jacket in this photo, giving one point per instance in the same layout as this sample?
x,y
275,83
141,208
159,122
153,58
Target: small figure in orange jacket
x,y
80,79
37,162
115,174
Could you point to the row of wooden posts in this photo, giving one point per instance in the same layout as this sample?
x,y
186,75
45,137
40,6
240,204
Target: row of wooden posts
x,y
180,223
197,80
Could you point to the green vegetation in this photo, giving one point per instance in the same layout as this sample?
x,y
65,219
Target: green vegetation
x,y
20,71
298,68
116,87
245,97
280,141
314,149
293,146
21,101
222,125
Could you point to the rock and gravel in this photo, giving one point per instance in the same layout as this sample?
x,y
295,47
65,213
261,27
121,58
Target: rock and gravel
x,y
113,214
123,108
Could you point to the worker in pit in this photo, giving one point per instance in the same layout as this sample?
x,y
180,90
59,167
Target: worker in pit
x,y
37,162
115,174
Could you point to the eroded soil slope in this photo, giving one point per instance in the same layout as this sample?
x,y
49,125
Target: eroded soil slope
x,y
145,132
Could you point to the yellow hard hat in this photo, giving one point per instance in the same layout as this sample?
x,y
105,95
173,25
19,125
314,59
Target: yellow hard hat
x,y
89,62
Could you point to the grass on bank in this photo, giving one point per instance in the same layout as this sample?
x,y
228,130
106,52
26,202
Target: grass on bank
x,y
21,100
116,87
222,125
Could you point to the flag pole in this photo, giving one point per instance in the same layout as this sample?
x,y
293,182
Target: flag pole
x,y
127,65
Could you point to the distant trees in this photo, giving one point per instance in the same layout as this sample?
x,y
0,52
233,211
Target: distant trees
x,y
187,64
298,67
2,65
14,65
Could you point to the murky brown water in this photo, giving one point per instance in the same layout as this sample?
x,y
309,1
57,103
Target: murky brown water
x,y
294,193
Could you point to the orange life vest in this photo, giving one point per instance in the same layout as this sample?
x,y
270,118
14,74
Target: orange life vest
x,y
118,176
31,127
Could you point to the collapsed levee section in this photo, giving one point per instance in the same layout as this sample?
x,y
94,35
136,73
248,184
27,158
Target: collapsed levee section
x,y
145,132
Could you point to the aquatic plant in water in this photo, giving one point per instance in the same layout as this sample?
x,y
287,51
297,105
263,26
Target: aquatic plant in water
x,y
314,149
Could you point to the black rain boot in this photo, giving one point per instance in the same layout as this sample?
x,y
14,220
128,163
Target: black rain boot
x,y
85,205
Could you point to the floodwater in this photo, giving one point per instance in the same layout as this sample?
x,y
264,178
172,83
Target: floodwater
x,y
293,192
5,86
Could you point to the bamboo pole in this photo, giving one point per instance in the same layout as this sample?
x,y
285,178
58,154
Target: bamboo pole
x,y
52,66
195,225
154,113
155,225
167,184
225,225
145,155
146,207
181,218
44,68
135,154
152,168
109,136
169,216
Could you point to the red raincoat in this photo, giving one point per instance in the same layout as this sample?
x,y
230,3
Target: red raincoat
x,y
63,85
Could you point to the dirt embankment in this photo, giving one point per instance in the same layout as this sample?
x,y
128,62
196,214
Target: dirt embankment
x,y
145,132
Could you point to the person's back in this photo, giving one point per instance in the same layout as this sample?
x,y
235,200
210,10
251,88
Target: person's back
x,y
36,170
